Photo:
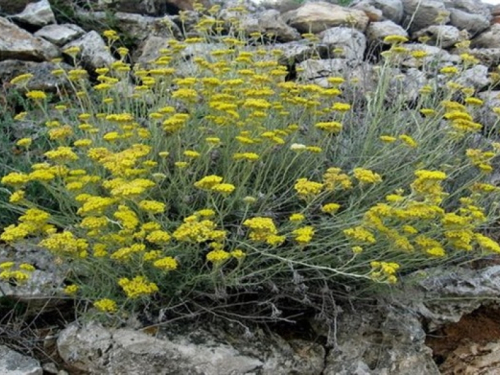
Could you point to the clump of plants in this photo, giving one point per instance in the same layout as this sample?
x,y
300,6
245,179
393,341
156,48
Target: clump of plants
x,y
233,189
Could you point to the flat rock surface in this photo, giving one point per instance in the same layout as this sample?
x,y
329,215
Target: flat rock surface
x,y
14,363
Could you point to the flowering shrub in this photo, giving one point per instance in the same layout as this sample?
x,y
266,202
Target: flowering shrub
x,y
234,182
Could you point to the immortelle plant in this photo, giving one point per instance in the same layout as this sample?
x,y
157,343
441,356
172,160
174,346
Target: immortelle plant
x,y
215,182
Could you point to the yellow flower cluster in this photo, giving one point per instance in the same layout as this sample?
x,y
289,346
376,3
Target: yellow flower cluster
x,y
307,189
137,287
334,179
166,264
20,275
195,230
106,305
33,222
303,235
218,256
366,176
263,229
384,271
481,159
65,243
428,185
214,183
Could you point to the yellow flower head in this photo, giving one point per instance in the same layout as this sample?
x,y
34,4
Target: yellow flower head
x,y
307,189
36,95
208,182
218,256
21,79
166,264
330,208
366,176
395,39
106,305
138,287
303,235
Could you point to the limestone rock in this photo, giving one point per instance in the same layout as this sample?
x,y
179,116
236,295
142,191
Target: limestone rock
x,y
42,78
148,7
281,6
388,342
10,7
60,34
351,41
420,14
150,52
377,31
313,69
476,77
318,16
269,22
488,39
473,23
36,14
473,358
139,27
15,43
491,98
296,52
37,293
487,56
406,86
443,36
93,50
436,56
95,349
460,292
391,9
374,14
14,363
470,6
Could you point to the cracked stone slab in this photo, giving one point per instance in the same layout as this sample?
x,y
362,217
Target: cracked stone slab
x,y
99,350
14,363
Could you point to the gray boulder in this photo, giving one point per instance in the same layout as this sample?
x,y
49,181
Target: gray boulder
x,y
389,342
42,79
137,26
436,57
476,76
488,39
391,9
36,14
14,363
147,7
99,350
93,50
377,31
16,43
419,14
318,16
60,34
313,69
473,23
269,22
351,41
9,7
487,56
470,6
296,52
443,36
460,292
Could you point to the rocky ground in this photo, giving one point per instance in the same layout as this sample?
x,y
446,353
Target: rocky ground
x,y
442,321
